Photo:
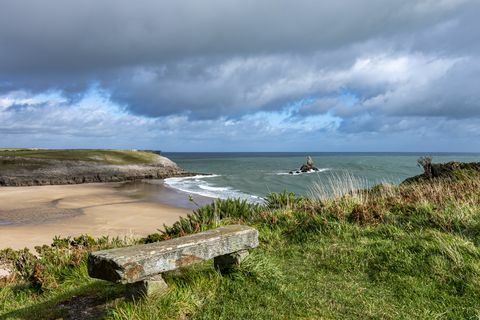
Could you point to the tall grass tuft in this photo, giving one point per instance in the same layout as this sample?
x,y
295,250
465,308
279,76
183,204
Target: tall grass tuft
x,y
339,185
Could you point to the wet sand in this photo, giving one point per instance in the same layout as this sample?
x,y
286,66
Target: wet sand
x,y
31,216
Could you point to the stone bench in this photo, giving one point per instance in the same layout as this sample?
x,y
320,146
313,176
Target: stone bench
x,y
140,267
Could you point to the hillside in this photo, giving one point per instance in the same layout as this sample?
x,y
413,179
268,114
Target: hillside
x,y
445,171
410,251
22,167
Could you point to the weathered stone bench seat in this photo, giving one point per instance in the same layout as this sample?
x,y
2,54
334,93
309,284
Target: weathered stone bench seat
x,y
140,266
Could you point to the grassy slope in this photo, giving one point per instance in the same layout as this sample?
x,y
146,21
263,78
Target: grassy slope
x,y
389,252
35,158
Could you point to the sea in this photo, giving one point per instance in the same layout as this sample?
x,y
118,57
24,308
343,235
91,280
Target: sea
x,y
251,176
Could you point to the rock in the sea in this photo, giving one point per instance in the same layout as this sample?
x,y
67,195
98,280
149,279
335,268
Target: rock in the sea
x,y
309,161
306,167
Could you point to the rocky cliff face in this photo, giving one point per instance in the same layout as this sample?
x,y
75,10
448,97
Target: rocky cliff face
x,y
25,172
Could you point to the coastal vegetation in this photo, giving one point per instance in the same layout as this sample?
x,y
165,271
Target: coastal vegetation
x,y
391,251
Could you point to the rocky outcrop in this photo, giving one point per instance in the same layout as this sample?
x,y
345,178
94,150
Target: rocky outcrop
x,y
306,167
7,273
58,172
450,170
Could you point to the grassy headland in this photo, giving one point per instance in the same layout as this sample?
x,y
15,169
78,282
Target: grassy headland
x,y
410,251
46,166
119,157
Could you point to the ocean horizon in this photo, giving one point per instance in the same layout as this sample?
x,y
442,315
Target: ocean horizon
x,y
252,175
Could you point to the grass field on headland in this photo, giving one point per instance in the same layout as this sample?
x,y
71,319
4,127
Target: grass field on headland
x,y
28,167
101,156
409,251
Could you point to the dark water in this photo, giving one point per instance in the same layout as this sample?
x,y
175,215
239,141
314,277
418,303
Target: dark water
x,y
255,174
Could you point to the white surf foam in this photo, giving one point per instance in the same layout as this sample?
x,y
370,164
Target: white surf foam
x,y
294,173
201,186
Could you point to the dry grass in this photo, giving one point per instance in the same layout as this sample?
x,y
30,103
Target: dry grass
x,y
116,157
339,185
346,194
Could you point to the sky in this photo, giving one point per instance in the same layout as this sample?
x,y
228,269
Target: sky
x,y
241,75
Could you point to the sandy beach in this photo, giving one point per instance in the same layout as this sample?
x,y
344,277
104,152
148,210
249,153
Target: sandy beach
x,y
31,216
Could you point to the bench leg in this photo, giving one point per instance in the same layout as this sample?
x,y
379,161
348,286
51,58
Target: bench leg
x,y
154,285
228,261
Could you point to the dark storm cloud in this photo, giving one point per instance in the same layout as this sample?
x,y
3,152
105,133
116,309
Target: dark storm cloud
x,y
65,36
224,59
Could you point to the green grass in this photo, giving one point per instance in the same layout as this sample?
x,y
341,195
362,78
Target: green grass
x,y
36,157
26,302
390,252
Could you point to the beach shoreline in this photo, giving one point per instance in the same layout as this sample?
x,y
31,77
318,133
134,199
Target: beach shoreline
x,y
34,215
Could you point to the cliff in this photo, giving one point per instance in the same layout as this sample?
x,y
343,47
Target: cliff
x,y
28,167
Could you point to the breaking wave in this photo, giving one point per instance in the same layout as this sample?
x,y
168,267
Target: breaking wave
x,y
201,186
296,173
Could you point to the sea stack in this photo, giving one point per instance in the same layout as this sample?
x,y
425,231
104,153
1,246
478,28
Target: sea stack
x,y
306,167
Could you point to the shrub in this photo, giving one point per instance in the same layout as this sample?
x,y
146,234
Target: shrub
x,y
282,200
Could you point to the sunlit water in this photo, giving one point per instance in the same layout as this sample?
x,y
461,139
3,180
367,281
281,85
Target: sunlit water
x,y
253,175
